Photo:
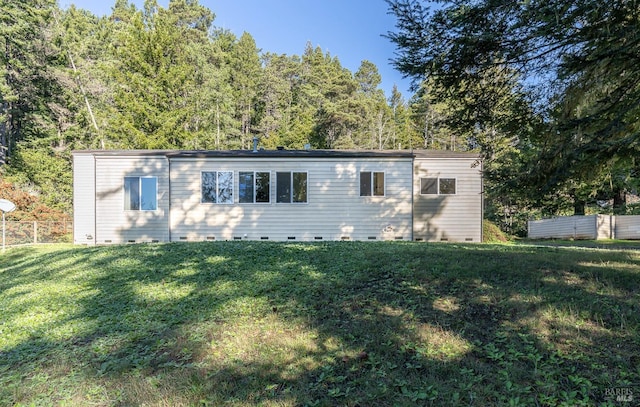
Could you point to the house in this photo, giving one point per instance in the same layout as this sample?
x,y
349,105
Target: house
x,y
136,196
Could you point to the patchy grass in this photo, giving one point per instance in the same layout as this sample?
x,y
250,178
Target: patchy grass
x,y
341,323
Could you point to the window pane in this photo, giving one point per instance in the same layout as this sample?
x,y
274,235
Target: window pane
x,y
225,187
299,187
447,186
378,183
149,194
209,190
262,187
365,184
283,187
245,187
428,186
131,193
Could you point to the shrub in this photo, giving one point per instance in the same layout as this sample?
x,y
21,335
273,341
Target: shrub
x,y
491,233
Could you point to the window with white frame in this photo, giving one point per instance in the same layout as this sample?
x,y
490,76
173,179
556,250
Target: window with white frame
x,y
291,187
217,187
140,193
371,183
437,186
254,187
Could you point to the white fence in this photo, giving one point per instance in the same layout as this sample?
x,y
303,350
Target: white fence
x,y
586,227
34,232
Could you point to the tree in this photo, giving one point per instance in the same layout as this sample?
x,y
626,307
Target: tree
x,y
245,76
403,134
24,84
588,49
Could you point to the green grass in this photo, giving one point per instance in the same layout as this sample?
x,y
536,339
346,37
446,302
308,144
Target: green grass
x,y
341,323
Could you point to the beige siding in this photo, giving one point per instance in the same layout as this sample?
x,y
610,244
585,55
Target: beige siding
x,y
335,210
84,193
113,223
455,217
627,227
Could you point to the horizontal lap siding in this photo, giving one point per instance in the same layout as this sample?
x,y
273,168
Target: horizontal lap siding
x,y
113,223
83,199
449,217
334,209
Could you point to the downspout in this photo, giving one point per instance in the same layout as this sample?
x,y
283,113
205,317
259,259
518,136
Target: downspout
x,y
413,180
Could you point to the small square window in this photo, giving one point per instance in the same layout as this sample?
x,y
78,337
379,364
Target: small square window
x,y
447,186
429,186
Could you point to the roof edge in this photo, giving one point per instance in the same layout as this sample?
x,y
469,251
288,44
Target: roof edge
x,y
281,153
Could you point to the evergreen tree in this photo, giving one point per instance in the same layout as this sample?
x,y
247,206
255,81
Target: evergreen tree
x,y
245,77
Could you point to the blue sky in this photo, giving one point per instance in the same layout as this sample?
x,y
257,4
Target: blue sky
x,y
350,30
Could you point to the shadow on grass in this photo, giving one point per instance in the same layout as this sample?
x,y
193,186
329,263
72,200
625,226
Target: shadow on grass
x,y
342,323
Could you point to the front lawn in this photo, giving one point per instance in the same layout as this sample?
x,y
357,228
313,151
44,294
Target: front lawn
x,y
340,323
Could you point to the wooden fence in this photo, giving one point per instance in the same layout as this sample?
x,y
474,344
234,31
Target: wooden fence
x,y
586,227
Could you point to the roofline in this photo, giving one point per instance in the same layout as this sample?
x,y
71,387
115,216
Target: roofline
x,y
280,153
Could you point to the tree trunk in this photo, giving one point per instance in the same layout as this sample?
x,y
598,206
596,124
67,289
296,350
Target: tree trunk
x,y
619,200
578,206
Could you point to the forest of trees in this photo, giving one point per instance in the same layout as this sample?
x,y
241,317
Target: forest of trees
x,y
168,78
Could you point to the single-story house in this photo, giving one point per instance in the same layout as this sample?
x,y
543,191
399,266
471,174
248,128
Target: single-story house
x,y
131,196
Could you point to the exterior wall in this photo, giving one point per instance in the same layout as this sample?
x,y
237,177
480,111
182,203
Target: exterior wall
x,y
84,193
455,217
334,211
114,224
627,227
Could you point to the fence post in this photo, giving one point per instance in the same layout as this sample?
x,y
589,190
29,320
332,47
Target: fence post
x,y
35,232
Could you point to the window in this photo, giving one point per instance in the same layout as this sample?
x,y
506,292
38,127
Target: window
x,y
434,186
371,183
429,186
291,187
253,187
447,186
217,187
140,193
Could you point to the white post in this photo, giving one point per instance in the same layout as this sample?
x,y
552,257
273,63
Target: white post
x,y
3,231
35,232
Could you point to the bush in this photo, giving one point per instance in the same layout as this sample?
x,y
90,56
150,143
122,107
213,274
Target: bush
x,y
28,205
491,233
